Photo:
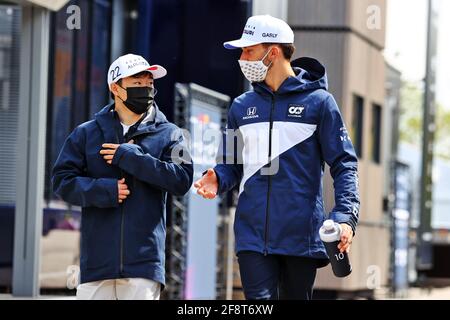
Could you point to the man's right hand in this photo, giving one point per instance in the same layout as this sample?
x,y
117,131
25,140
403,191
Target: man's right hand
x,y
207,186
123,190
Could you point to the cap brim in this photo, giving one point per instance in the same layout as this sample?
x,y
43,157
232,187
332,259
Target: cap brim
x,y
239,43
157,71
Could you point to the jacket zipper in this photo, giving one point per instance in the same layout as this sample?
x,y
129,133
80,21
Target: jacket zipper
x,y
122,220
121,238
269,177
122,174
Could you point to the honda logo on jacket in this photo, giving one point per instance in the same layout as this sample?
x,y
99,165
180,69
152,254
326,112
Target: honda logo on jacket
x,y
251,113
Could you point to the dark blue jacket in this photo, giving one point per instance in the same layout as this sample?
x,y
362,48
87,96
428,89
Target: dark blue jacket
x,y
292,131
124,240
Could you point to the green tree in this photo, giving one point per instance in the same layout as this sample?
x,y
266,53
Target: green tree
x,y
442,147
411,115
410,122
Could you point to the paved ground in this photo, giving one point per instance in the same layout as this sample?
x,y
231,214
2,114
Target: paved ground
x,y
412,294
417,294
433,294
10,297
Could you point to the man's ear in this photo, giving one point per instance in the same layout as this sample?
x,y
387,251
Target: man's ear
x,y
275,53
113,88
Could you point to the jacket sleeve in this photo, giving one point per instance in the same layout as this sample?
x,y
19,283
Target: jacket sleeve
x,y
229,168
71,184
339,154
172,173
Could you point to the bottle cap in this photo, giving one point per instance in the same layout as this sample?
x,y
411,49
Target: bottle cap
x,y
330,231
328,225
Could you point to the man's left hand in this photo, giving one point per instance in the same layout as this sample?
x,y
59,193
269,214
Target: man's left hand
x,y
346,238
109,150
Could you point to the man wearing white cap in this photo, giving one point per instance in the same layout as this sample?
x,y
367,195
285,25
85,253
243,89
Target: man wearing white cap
x,y
119,168
286,128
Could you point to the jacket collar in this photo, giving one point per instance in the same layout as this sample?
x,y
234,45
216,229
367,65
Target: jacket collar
x,y
310,75
109,123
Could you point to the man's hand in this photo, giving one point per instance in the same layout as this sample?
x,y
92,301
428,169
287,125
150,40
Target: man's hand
x,y
346,238
207,186
123,190
109,150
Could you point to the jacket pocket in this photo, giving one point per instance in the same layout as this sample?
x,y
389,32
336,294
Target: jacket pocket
x,y
99,237
317,220
290,215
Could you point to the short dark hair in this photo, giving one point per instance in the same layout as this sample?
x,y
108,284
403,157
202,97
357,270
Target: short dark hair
x,y
288,49
137,75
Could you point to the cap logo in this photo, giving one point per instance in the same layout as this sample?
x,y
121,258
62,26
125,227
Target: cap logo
x,y
115,73
270,35
248,29
135,64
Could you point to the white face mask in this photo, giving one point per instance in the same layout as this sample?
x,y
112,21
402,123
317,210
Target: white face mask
x,y
255,71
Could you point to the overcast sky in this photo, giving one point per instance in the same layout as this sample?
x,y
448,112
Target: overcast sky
x,y
406,42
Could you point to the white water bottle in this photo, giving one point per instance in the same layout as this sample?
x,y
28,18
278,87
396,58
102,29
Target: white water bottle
x,y
330,234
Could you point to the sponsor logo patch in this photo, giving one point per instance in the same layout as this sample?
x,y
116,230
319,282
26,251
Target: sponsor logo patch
x,y
251,113
295,111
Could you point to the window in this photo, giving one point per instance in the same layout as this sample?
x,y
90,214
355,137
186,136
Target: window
x,y
357,124
376,134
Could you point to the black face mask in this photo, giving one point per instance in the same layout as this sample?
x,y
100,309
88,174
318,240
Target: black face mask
x,y
139,99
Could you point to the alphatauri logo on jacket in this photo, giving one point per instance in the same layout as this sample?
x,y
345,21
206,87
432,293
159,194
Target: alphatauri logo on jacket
x,y
295,110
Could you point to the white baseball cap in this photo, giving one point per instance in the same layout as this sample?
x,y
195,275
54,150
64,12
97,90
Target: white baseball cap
x,y
262,29
131,64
